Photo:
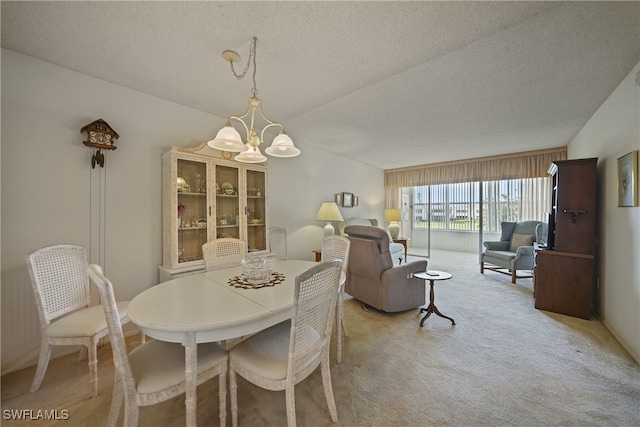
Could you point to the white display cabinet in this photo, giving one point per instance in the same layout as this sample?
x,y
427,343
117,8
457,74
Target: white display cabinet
x,y
207,195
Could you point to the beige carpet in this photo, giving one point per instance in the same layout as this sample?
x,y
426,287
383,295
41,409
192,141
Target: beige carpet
x,y
503,364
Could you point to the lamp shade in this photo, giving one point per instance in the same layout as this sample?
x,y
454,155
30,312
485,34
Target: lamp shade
x,y
329,212
282,146
252,155
228,139
392,215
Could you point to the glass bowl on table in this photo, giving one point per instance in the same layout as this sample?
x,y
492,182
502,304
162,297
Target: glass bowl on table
x,y
257,269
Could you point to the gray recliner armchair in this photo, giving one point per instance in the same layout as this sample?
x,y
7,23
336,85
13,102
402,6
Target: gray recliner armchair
x,y
373,279
514,250
396,249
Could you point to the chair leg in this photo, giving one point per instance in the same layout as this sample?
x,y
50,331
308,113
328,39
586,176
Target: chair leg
x,y
338,341
116,401
481,267
343,320
290,397
222,394
93,366
131,412
513,275
340,325
43,363
82,354
328,389
233,394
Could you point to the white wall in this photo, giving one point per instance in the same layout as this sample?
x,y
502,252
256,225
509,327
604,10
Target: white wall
x,y
612,132
296,190
48,185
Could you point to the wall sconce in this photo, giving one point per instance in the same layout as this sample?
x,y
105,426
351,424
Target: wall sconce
x,y
101,136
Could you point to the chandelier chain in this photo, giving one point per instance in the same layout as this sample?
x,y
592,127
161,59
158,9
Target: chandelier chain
x,y
250,60
228,139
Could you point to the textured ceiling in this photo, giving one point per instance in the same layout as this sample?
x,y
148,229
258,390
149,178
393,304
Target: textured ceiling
x,y
389,84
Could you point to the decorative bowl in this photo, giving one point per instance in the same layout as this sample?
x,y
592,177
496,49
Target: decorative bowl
x,y
227,188
257,269
182,185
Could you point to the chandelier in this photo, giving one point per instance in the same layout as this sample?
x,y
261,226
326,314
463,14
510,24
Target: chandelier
x,y
228,138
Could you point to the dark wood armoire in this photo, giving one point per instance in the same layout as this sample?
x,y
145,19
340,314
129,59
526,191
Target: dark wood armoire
x,y
564,274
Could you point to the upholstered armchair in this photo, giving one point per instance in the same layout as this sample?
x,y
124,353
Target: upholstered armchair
x,y
396,249
373,279
514,250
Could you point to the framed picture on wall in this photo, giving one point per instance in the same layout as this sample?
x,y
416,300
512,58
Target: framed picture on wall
x,y
347,200
355,201
338,199
628,179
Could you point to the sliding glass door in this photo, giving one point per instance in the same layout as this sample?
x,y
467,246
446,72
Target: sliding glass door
x,y
459,217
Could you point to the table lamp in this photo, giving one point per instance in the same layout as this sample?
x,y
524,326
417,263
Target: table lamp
x,y
329,212
393,216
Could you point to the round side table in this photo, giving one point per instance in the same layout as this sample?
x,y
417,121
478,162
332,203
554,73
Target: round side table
x,y
432,276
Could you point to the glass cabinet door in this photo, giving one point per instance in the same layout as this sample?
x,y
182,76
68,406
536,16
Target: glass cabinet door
x,y
227,202
256,210
191,202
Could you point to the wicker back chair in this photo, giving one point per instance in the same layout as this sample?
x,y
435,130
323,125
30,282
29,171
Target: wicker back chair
x,y
338,247
223,253
278,242
155,371
61,287
280,357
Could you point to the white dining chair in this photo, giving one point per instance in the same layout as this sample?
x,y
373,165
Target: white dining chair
x,y
338,247
223,253
281,356
153,372
62,294
278,242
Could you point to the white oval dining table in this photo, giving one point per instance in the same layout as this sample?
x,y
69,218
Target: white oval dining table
x,y
205,307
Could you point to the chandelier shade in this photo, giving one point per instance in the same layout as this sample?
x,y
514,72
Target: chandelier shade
x,y
229,139
251,155
282,146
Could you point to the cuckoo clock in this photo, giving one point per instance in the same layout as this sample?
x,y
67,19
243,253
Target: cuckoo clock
x,y
100,136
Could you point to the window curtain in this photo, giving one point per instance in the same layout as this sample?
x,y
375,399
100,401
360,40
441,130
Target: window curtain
x,y
529,164
393,198
536,199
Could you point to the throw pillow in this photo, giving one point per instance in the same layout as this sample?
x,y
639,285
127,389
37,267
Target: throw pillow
x,y
518,240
